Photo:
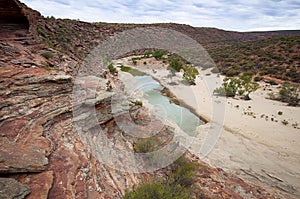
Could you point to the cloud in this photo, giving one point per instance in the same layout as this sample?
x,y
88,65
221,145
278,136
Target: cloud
x,y
225,14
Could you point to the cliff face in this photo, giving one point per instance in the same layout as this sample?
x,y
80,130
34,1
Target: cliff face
x,y
11,13
41,153
17,20
39,146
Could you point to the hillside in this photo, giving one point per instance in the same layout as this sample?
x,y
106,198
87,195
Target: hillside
x,y
276,57
77,37
264,53
42,155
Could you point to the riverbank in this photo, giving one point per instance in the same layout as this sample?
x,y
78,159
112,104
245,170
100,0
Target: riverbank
x,y
257,142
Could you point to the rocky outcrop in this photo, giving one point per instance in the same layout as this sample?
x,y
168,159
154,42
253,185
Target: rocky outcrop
x,y
36,124
36,117
39,144
216,183
17,21
10,188
11,14
19,158
39,184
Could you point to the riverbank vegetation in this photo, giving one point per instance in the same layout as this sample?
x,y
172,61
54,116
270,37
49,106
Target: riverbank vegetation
x,y
289,93
175,63
241,86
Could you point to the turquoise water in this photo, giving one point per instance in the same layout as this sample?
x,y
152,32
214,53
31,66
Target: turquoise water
x,y
183,117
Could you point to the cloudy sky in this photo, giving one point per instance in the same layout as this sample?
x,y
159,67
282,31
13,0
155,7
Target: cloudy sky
x,y
240,15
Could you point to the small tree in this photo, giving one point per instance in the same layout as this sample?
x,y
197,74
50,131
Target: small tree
x,y
247,86
229,87
176,64
190,74
289,93
242,86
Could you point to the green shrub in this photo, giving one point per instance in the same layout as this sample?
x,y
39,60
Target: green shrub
x,y
134,61
145,63
280,112
139,103
258,78
176,64
41,32
157,190
232,72
47,54
229,87
111,68
158,54
145,145
178,184
290,94
182,172
215,70
190,75
147,54
249,73
272,82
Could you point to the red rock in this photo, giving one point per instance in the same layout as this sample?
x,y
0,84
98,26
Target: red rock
x,y
10,188
12,128
40,184
18,158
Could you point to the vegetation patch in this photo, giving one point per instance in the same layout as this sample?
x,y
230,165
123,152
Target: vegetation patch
x,y
47,54
232,86
177,185
132,71
277,57
158,54
112,69
190,74
289,93
146,145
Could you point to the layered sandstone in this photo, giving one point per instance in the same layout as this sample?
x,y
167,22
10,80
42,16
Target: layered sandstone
x,y
42,155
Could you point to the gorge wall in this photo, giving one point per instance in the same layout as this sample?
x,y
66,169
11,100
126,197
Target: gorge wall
x,y
41,154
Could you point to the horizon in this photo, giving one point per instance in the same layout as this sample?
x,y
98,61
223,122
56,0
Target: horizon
x,y
270,15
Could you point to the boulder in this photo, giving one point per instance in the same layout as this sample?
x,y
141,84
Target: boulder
x,y
10,188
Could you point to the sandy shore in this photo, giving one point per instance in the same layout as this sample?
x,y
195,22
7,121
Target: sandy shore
x,y
247,138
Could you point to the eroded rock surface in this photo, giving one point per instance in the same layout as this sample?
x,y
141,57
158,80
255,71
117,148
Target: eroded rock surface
x,y
19,158
36,124
39,144
10,188
39,184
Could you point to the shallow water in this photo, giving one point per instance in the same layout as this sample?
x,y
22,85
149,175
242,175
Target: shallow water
x,y
184,118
